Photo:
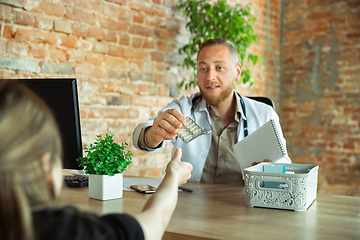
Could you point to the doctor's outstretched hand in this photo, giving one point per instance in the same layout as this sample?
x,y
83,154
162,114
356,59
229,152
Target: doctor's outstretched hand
x,y
165,127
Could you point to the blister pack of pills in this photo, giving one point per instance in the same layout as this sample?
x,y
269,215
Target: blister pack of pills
x,y
190,130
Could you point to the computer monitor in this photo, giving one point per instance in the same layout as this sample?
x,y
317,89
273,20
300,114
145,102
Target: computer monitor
x,y
61,95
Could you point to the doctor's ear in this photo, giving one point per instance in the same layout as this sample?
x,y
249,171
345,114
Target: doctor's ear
x,y
238,71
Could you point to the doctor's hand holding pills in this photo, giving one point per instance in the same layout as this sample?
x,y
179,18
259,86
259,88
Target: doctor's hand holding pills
x,y
165,127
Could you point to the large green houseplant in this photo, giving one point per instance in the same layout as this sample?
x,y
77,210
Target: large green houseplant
x,y
105,162
205,21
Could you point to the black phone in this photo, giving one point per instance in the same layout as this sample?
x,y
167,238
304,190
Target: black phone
x,y
144,188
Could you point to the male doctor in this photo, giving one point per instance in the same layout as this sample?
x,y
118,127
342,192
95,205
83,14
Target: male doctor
x,y
217,107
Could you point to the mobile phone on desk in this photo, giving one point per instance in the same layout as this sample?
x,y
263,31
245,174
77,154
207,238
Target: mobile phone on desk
x,y
143,188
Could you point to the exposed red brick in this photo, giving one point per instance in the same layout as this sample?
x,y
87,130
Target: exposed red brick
x,y
138,17
92,72
79,29
137,42
161,45
110,36
119,63
141,55
157,56
129,53
38,51
124,39
152,22
50,9
124,13
97,6
160,12
113,24
44,22
58,54
6,13
81,3
67,41
7,32
149,43
140,6
35,36
116,51
94,59
96,33
140,30
80,15
164,35
24,18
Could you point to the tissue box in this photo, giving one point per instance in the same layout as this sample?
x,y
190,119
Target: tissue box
x,y
293,190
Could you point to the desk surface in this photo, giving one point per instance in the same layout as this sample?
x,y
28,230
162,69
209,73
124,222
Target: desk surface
x,y
216,211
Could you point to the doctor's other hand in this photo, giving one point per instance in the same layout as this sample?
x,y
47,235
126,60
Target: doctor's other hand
x,y
256,163
178,169
165,126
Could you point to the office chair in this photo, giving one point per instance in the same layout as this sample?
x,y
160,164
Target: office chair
x,y
265,100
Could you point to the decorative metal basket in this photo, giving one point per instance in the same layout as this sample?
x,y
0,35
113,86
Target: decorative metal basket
x,y
295,189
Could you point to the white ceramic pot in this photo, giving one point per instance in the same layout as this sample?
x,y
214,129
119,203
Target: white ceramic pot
x,y
104,187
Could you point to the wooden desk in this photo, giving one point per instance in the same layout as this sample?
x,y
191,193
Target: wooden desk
x,y
215,211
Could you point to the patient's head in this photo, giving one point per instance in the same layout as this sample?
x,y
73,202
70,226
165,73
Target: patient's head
x,y
30,158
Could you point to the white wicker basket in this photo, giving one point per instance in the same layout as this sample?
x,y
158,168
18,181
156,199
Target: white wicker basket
x,y
297,187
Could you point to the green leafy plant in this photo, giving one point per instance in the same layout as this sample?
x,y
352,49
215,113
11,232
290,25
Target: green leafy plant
x,y
207,21
105,157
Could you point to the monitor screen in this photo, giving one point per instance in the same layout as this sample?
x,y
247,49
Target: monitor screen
x,y
61,95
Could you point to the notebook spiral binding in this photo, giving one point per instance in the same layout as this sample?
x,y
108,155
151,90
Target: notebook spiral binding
x,y
278,138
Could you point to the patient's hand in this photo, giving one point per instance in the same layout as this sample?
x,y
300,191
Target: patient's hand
x,y
255,163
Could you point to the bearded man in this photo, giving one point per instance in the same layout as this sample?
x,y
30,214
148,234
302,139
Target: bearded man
x,y
217,107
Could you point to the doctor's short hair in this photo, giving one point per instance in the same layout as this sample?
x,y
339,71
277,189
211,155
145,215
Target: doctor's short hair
x,y
222,42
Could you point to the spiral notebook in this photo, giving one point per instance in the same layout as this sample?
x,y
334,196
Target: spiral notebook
x,y
263,143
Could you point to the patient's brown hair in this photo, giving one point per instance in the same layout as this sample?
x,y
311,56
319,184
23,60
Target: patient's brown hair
x,y
28,131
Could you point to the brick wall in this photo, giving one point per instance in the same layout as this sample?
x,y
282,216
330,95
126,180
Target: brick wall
x,y
321,89
268,75
124,55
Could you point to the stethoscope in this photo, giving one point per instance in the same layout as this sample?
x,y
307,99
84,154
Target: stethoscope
x,y
196,100
246,132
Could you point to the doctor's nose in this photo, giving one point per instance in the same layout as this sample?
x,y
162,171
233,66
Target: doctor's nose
x,y
211,74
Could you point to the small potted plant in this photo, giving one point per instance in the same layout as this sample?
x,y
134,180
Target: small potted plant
x,y
105,162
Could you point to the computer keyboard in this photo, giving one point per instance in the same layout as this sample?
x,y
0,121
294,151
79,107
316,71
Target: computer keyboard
x,y
76,181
